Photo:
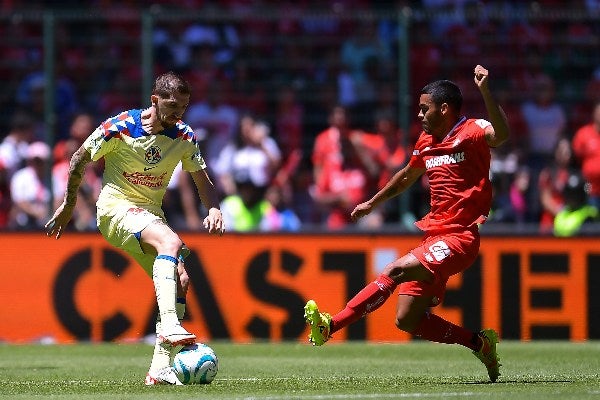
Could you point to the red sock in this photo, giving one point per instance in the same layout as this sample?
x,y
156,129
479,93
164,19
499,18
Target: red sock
x,y
369,299
437,329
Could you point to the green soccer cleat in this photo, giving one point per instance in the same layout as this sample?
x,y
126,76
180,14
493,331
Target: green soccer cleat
x,y
319,322
487,354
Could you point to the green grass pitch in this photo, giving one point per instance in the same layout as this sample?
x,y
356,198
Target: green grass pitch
x,y
290,370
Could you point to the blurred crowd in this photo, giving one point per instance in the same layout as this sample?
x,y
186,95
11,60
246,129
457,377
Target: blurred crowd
x,y
297,105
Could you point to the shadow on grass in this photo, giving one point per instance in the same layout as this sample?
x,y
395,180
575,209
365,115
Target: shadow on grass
x,y
513,381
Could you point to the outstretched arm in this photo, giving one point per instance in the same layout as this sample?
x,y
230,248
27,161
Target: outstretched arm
x,y
208,195
63,213
396,185
498,133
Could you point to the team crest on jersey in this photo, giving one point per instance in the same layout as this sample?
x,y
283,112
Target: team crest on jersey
x,y
439,251
153,155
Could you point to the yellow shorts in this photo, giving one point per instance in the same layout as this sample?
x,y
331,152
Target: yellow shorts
x,y
122,225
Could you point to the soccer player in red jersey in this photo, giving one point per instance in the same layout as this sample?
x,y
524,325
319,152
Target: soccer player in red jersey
x,y
454,152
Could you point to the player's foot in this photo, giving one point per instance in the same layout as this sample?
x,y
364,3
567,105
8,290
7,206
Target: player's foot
x,y
320,323
487,353
176,335
164,376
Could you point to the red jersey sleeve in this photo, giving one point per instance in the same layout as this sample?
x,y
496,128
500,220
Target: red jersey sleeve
x,y
416,159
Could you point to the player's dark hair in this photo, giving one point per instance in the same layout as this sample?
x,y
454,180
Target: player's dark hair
x,y
444,91
168,83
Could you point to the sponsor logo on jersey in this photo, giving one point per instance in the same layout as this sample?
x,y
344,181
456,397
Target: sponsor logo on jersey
x,y
445,159
151,181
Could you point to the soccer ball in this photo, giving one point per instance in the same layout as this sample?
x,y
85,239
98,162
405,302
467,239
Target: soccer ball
x,y
196,363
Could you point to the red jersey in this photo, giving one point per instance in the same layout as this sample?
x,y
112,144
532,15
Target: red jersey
x,y
341,173
458,169
586,146
389,160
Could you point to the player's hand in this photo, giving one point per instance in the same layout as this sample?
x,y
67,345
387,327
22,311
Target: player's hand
x,y
214,221
150,122
56,225
481,77
361,210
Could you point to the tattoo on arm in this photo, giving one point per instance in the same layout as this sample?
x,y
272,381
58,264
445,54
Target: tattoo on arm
x,y
76,169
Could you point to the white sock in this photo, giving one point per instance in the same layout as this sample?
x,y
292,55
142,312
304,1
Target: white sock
x,y
165,285
162,356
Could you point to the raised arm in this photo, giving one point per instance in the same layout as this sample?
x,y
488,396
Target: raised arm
x,y
56,225
208,195
498,133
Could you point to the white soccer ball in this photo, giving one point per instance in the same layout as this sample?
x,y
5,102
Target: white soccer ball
x,y
196,363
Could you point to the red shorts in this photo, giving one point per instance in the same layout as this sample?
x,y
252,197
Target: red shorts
x,y
444,254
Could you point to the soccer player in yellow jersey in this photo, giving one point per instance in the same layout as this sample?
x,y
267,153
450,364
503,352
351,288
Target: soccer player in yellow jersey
x,y
141,148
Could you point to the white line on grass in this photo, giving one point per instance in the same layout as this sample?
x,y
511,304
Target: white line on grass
x,y
417,395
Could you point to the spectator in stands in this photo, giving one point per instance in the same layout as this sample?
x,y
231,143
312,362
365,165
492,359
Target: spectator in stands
x,y
247,91
545,120
30,95
577,212
450,13
393,153
84,214
180,203
13,149
343,174
584,104
245,210
289,118
29,190
253,153
586,146
552,182
214,116
221,37
118,96
203,71
387,154
81,125
366,61
280,216
518,196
